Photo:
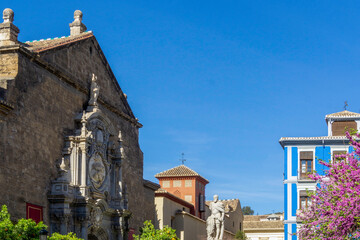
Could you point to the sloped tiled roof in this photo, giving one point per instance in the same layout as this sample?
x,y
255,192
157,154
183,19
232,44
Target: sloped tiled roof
x,y
179,171
260,222
45,44
313,138
263,225
343,114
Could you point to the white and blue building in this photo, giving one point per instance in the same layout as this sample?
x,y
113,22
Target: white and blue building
x,y
301,156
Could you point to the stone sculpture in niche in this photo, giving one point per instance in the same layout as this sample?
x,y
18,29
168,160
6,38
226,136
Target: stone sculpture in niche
x,y
94,92
97,171
88,191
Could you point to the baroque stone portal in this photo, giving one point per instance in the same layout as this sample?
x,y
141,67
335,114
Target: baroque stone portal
x,y
215,222
87,197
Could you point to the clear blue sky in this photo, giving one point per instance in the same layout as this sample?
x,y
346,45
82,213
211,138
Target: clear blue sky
x,y
221,81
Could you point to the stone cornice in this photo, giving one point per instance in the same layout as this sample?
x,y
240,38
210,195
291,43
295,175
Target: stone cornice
x,y
5,107
326,140
65,77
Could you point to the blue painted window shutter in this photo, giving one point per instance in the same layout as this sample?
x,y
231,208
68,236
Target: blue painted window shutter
x,y
322,153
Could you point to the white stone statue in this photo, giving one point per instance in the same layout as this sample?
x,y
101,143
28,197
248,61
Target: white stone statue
x,y
215,222
94,92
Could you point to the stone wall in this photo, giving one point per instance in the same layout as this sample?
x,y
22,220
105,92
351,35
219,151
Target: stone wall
x,y
45,106
189,226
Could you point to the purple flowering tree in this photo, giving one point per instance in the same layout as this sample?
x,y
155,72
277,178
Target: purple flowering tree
x,y
335,209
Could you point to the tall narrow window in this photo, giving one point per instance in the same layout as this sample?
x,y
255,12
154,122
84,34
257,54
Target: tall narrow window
x,y
337,157
306,163
305,200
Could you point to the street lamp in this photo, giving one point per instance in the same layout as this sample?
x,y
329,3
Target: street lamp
x,y
43,234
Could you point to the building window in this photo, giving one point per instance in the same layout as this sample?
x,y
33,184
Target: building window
x,y
177,183
188,183
305,200
306,163
335,156
188,198
34,212
201,203
166,184
172,222
338,127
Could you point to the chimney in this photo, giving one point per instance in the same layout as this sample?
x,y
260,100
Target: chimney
x,y
77,27
8,31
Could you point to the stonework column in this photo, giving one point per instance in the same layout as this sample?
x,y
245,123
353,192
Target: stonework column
x,y
77,27
8,31
83,173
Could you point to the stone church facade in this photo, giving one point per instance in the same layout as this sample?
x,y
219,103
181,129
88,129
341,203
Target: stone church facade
x,y
69,145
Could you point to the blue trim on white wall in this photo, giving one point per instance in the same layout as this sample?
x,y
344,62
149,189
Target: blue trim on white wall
x,y
322,153
285,163
293,199
294,161
293,230
286,231
285,202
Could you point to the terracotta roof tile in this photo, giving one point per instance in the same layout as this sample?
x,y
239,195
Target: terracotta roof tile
x,y
179,171
343,114
263,224
45,44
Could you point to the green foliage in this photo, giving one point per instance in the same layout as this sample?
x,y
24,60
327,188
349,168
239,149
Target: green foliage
x,y
240,235
6,226
247,210
25,229
148,232
58,236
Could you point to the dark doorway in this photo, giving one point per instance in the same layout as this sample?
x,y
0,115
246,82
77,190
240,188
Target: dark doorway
x,y
92,237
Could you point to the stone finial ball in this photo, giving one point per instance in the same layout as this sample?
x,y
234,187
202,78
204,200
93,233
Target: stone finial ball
x,y
8,15
78,14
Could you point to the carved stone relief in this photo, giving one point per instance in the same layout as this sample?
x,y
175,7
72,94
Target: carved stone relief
x,y
89,172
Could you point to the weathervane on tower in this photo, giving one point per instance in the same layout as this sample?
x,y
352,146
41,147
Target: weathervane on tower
x,y
182,158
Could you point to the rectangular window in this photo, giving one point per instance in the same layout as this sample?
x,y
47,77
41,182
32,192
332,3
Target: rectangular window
x,y
34,212
336,156
201,203
306,163
305,200
339,127
188,198
176,183
188,183
165,184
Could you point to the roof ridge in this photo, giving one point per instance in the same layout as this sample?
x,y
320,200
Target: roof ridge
x,y
179,171
343,114
53,38
50,43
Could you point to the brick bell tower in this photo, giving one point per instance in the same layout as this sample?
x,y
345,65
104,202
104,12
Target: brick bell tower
x,y
186,184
